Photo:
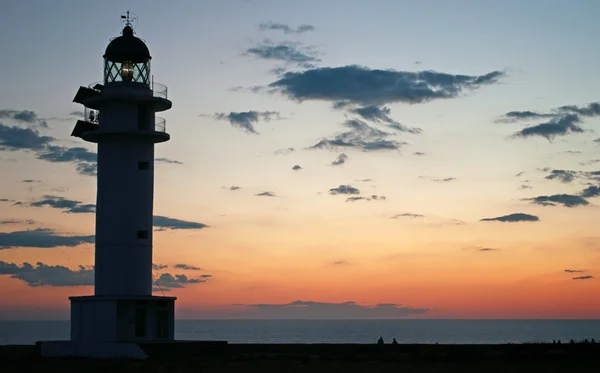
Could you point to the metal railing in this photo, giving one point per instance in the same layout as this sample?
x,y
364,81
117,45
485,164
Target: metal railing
x,y
160,124
158,90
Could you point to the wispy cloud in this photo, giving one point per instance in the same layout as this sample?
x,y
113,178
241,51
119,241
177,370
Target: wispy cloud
x,y
382,115
288,52
574,270
169,281
373,197
187,267
24,116
340,160
408,215
265,194
61,203
297,167
246,120
167,160
583,278
362,137
286,29
562,121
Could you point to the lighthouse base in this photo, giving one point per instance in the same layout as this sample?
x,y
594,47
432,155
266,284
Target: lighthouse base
x,y
122,319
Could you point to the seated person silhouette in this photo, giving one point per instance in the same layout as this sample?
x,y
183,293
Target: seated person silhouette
x,y
394,342
380,341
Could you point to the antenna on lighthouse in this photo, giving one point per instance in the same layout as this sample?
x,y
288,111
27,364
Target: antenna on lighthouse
x,y
129,19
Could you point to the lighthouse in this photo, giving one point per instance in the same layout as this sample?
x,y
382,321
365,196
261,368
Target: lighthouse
x,y
120,117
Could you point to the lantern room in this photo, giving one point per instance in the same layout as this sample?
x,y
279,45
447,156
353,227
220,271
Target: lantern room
x,y
127,59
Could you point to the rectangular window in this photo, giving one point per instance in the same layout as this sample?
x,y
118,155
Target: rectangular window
x,y
143,165
142,234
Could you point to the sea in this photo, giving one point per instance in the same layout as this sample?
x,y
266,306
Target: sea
x,y
340,331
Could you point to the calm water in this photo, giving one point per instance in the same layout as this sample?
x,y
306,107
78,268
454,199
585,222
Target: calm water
x,y
339,331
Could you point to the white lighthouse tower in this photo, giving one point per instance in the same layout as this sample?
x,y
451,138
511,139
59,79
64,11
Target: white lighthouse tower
x,y
120,118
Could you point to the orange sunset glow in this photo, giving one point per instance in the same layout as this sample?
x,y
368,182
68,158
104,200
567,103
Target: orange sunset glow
x,y
315,165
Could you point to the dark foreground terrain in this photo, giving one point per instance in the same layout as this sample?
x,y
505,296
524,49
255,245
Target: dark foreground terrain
x,y
201,357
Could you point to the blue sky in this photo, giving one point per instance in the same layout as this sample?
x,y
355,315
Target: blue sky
x,y
210,54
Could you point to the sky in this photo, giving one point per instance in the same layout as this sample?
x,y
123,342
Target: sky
x,y
338,159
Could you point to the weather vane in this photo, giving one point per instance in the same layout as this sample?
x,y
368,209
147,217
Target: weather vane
x,y
129,19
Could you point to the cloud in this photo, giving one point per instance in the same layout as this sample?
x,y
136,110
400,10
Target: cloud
x,y
321,310
68,205
60,276
28,139
373,197
167,280
76,113
165,222
167,160
555,127
344,189
487,249
84,160
25,116
374,87
288,52
376,114
48,275
565,176
15,138
40,238
574,270
567,200
408,215
340,263
245,120
297,167
563,120
158,267
419,153
29,181
234,187
17,221
340,160
285,28
591,191
583,278
187,267
513,218
284,151
445,180
265,194
361,136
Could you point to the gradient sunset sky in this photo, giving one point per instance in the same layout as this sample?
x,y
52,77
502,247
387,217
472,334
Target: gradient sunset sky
x,y
339,158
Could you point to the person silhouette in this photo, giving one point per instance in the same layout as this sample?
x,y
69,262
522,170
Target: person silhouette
x,y
394,342
380,341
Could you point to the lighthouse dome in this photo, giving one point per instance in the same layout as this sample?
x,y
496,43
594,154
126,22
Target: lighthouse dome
x,y
127,47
